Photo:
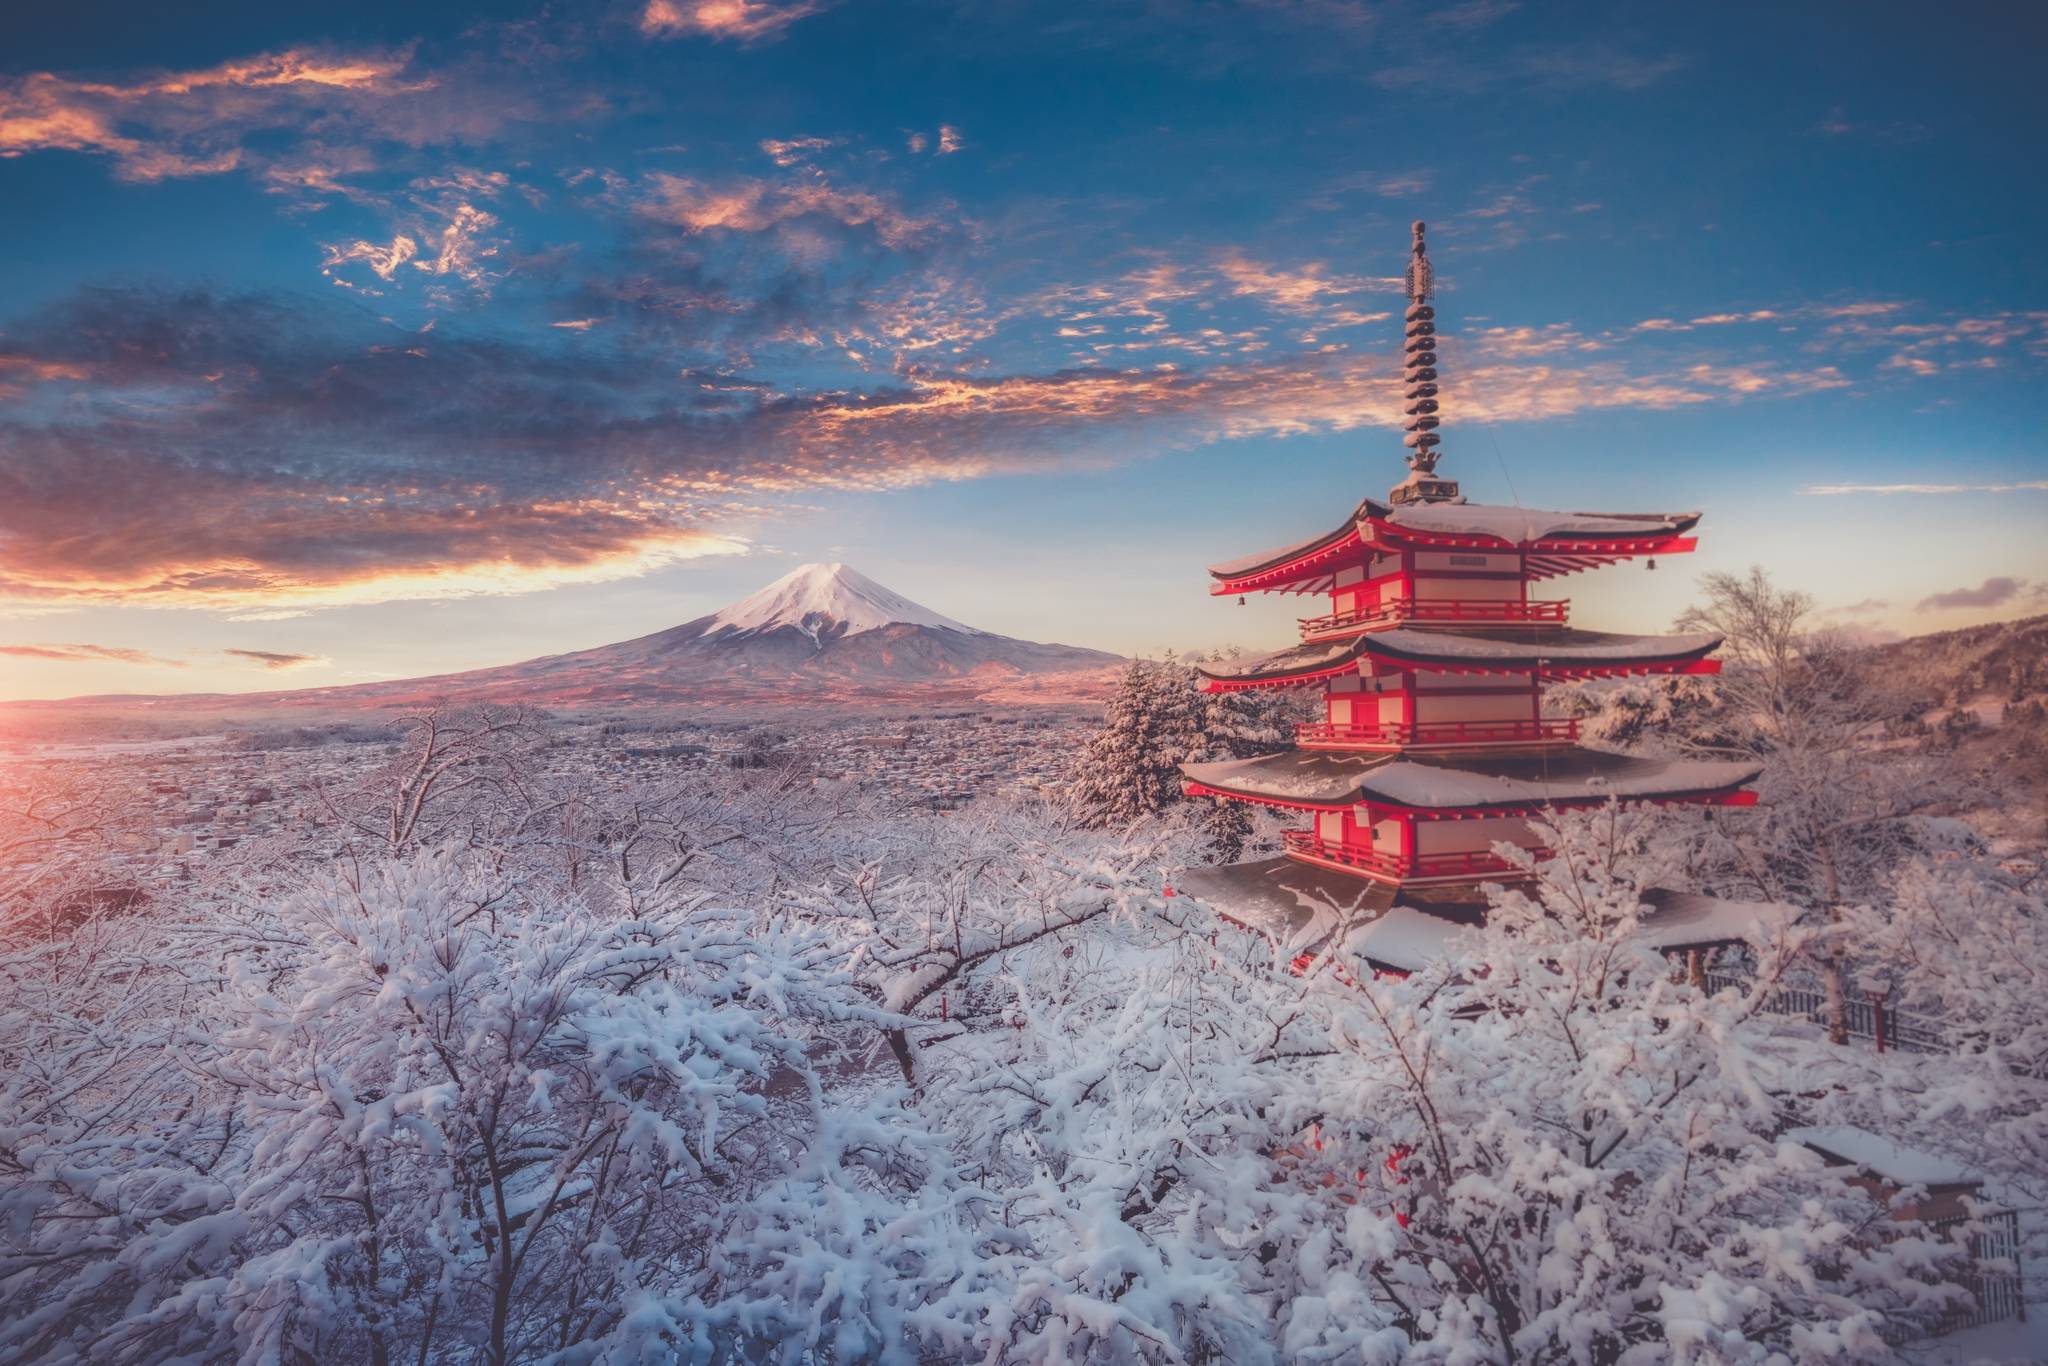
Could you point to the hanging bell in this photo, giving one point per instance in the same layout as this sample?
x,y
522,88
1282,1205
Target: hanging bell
x,y
1240,602
1651,565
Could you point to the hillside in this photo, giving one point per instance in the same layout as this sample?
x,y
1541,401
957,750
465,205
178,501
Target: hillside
x,y
2005,660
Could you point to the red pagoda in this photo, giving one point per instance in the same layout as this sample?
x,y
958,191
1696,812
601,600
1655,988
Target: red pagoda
x,y
1433,657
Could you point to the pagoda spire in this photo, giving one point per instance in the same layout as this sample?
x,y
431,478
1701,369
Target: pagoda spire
x,y
1419,405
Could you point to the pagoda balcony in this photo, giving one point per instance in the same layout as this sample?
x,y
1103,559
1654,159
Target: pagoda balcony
x,y
1390,867
1426,734
1443,611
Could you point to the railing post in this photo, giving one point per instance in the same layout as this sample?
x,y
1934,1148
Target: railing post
x,y
1877,1018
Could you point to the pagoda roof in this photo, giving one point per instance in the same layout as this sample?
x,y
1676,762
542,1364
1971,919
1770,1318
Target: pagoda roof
x,y
1603,536
1556,650
1300,906
1517,526
1314,779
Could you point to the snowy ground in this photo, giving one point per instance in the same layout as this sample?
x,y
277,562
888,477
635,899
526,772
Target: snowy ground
x,y
2011,1341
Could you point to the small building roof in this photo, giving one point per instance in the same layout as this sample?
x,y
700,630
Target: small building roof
x,y
1882,1157
1467,649
1327,779
1299,906
1692,919
1408,939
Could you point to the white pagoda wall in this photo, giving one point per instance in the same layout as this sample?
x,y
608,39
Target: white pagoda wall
x,y
1452,837
1485,707
1470,590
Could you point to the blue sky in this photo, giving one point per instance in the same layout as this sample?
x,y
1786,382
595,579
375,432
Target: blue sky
x,y
341,343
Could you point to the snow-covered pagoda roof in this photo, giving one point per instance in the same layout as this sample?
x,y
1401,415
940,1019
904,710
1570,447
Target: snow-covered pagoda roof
x,y
1307,779
1558,542
1556,651
1299,906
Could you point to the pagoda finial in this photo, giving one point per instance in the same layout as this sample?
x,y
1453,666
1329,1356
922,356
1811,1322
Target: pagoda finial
x,y
1422,485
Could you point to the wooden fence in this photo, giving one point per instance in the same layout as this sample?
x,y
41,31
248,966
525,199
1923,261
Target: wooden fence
x,y
1868,1018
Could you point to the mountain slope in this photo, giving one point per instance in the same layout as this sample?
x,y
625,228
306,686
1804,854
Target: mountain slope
x,y
820,633
2006,659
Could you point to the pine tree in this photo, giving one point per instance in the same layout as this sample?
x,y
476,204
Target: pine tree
x,y
1125,772
1158,719
1246,723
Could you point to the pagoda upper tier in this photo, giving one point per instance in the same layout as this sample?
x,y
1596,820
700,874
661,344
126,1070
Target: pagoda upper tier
x,y
1547,544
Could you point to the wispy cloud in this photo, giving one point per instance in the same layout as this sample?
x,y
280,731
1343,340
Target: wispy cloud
x,y
277,659
186,123
90,654
1840,490
1990,593
751,205
1837,124
787,152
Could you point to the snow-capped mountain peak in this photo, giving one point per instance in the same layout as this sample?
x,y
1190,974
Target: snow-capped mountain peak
x,y
825,601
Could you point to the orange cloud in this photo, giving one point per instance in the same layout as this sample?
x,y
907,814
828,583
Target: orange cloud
x,y
382,261
749,205
787,152
185,123
745,21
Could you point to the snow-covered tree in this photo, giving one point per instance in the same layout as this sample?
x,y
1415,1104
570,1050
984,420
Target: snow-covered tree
x,y
1159,718
1962,941
1562,1151
1130,769
422,1113
1834,816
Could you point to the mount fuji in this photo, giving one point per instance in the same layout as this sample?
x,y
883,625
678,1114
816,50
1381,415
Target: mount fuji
x,y
822,631
825,602
830,623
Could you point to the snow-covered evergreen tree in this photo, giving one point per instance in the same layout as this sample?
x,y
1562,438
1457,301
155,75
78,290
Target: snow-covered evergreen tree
x,y
1128,769
1159,718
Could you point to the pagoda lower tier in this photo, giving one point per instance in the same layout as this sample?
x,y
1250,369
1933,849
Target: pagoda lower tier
x,y
1305,910
1412,819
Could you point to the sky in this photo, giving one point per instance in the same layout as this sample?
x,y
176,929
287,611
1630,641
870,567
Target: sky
x,y
344,342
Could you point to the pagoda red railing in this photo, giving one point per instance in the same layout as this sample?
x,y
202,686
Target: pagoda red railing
x,y
1460,863
1393,734
1468,611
